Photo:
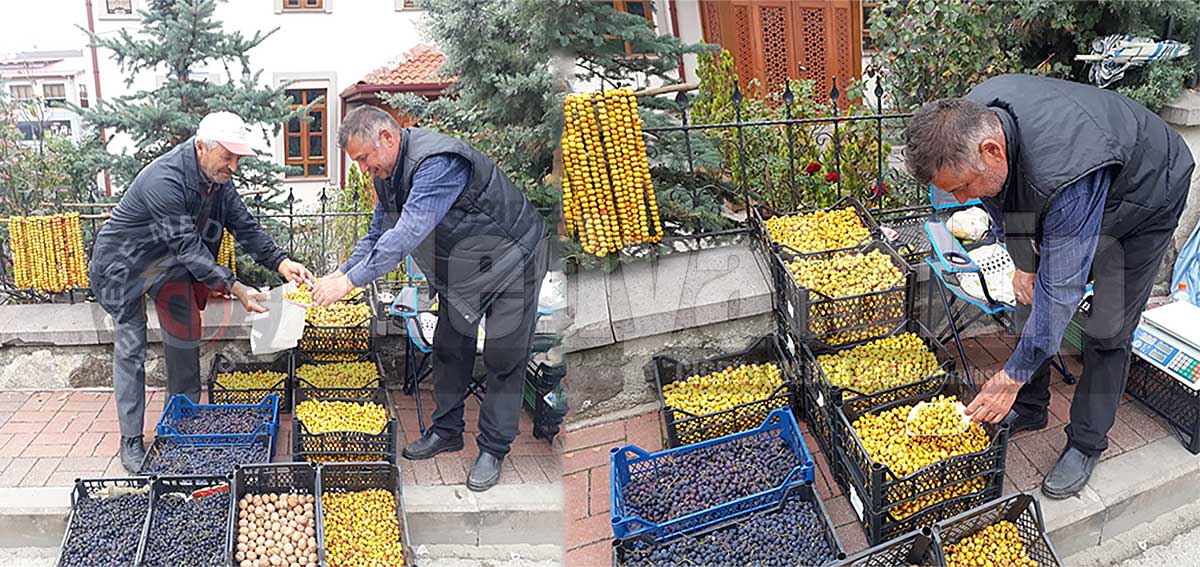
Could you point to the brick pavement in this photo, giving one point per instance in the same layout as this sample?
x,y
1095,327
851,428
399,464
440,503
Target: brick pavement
x,y
50,438
1030,455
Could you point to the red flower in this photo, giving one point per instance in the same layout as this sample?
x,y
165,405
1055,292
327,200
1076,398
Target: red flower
x,y
831,177
812,168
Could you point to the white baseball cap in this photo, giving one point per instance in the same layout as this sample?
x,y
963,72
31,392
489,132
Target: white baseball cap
x,y
227,129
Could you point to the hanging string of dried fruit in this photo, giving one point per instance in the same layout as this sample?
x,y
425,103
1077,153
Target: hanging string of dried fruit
x,y
608,196
226,256
48,252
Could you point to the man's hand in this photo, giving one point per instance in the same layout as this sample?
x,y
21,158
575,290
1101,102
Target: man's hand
x,y
995,399
250,299
1023,286
294,272
331,288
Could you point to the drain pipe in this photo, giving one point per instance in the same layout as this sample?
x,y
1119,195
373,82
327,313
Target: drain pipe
x,y
96,84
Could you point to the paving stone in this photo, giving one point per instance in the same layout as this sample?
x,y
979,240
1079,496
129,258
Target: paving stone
x,y
40,472
16,471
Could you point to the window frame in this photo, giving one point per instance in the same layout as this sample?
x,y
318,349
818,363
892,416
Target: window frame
x,y
323,7
305,161
51,99
24,100
408,6
623,6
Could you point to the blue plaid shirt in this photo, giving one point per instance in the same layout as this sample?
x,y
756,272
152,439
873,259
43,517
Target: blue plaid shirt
x,y
436,185
1070,231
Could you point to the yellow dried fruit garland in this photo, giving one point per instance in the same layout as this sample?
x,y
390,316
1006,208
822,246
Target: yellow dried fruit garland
x,y
226,255
48,252
608,197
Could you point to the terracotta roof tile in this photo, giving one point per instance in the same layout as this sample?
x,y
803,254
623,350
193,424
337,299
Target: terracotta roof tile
x,y
418,65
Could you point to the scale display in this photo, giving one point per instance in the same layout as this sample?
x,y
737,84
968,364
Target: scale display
x,y
1166,340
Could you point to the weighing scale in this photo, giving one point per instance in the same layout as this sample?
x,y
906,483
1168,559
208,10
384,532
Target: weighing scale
x,y
1169,338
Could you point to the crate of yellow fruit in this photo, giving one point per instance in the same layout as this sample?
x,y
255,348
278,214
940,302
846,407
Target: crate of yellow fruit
x,y
340,332
914,549
231,382
903,364
845,224
722,395
361,519
841,297
344,430
898,482
1009,532
357,379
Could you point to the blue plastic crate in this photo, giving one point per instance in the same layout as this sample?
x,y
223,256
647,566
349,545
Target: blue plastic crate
x,y
180,407
629,462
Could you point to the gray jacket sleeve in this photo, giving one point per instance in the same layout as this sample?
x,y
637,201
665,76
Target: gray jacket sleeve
x,y
250,234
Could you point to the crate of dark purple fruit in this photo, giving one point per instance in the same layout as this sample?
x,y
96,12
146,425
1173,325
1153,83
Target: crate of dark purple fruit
x,y
655,495
106,523
190,421
203,455
189,523
797,531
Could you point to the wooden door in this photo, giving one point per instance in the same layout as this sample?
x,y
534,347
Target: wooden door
x,y
774,40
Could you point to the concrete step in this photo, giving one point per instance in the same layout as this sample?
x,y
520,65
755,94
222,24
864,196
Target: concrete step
x,y
1125,492
426,556
527,515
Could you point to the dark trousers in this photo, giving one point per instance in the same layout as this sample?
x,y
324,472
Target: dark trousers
x,y
509,328
1123,273
179,306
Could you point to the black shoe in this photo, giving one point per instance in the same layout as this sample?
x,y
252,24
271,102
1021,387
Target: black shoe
x,y
133,452
485,473
1021,422
431,444
1069,474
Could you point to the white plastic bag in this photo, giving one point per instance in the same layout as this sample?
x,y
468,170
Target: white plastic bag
x,y
969,224
281,327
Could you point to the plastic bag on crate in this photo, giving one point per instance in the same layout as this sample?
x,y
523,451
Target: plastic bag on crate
x,y
281,327
970,224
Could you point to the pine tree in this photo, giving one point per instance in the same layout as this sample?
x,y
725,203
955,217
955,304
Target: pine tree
x,y
511,61
182,38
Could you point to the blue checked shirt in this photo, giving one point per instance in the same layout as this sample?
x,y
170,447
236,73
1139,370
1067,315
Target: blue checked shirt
x,y
436,185
1070,232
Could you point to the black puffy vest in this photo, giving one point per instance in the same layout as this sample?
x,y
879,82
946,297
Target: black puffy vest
x,y
1060,131
487,237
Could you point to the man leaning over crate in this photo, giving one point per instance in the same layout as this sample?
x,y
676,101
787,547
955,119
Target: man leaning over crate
x,y
1084,180
163,239
480,243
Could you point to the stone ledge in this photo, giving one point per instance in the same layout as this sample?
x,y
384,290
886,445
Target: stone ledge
x,y
1183,111
677,292
88,324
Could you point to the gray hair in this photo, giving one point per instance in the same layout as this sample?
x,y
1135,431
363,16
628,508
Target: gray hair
x,y
947,133
365,123
208,144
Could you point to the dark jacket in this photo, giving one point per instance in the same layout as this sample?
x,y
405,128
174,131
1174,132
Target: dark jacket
x,y
490,234
168,227
1059,131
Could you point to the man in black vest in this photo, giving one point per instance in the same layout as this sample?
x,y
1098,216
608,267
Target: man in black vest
x,y
1081,179
480,243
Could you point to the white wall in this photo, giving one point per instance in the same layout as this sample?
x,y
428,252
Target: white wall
x,y
332,49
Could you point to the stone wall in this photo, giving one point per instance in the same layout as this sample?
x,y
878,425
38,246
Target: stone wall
x,y
1184,116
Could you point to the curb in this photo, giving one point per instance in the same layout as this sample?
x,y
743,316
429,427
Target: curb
x,y
1124,492
506,515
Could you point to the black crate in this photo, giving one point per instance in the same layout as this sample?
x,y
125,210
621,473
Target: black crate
x,y
827,322
542,383
203,443
820,428
914,548
904,229
89,488
760,214
345,444
218,394
294,478
311,392
821,396
685,428
352,477
804,492
331,343
1171,399
1023,510
881,491
186,484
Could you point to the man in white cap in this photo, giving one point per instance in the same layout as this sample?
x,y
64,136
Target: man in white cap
x,y
163,239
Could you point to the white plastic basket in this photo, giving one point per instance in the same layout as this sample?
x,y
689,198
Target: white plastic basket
x,y
997,268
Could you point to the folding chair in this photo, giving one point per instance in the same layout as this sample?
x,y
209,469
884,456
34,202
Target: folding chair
x,y
965,275
418,312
